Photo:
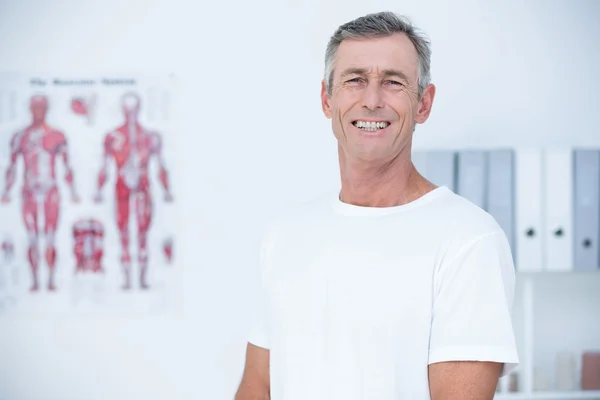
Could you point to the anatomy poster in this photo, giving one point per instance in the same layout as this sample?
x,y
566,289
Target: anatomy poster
x,y
87,200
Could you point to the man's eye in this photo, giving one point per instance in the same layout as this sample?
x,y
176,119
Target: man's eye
x,y
353,80
394,82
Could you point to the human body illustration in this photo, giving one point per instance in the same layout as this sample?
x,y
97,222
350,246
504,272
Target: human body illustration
x,y
131,146
40,146
88,236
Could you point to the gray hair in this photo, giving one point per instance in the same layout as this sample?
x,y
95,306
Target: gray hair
x,y
378,25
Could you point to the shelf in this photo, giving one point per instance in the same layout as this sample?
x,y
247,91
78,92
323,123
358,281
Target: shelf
x,y
585,394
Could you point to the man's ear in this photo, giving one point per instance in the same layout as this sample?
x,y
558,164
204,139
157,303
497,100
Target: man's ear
x,y
425,104
325,100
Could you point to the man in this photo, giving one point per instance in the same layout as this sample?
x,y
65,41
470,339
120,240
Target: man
x,y
392,288
40,145
132,147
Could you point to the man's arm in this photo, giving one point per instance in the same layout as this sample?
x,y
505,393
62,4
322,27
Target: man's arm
x,y
15,150
463,380
472,343
255,384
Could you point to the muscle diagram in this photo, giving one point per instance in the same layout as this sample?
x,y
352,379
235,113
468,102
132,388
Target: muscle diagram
x,y
88,237
40,146
131,146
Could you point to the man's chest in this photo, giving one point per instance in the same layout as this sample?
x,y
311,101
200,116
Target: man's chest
x,y
349,286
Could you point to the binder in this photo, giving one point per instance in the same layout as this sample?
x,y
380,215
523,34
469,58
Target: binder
x,y
500,188
558,197
437,166
528,210
471,176
586,209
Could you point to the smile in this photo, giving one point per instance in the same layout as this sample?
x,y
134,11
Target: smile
x,y
370,125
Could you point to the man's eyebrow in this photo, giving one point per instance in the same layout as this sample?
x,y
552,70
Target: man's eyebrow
x,y
385,72
354,71
395,72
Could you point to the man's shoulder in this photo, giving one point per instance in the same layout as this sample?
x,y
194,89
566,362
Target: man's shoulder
x,y
460,215
466,223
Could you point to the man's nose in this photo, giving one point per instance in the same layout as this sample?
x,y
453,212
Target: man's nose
x,y
373,97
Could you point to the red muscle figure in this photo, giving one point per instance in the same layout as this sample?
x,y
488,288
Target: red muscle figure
x,y
39,145
88,235
132,146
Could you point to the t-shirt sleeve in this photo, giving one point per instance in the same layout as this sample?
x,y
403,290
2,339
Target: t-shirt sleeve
x,y
472,308
259,320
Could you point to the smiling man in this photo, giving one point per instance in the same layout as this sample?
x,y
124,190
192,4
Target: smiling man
x,y
391,287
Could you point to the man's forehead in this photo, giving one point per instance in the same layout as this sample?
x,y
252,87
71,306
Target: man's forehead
x,y
372,70
378,55
396,44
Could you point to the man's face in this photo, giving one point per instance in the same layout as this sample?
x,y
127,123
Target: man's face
x,y
374,102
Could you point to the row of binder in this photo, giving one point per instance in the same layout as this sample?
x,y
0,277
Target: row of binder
x,y
546,200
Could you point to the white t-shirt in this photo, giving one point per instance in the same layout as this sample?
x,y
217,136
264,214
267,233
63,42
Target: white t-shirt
x,y
358,301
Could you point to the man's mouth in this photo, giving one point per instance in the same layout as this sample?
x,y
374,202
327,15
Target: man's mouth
x,y
370,125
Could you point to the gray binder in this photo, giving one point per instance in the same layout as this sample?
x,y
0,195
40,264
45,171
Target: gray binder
x,y
586,203
437,166
500,191
472,176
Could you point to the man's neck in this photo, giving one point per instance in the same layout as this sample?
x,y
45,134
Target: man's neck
x,y
394,183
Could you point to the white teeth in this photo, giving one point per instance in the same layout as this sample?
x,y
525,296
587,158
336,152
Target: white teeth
x,y
371,126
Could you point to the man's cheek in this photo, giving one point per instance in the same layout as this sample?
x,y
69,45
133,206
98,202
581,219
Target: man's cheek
x,y
337,122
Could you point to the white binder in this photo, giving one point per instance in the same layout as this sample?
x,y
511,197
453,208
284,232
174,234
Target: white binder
x,y
558,210
472,176
529,218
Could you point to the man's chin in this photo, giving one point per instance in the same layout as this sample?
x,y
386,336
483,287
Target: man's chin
x,y
376,155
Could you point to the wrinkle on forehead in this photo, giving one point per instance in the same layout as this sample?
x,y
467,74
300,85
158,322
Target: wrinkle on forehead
x,y
375,70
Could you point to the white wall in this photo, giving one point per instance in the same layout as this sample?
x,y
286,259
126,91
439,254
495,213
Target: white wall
x,y
511,74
